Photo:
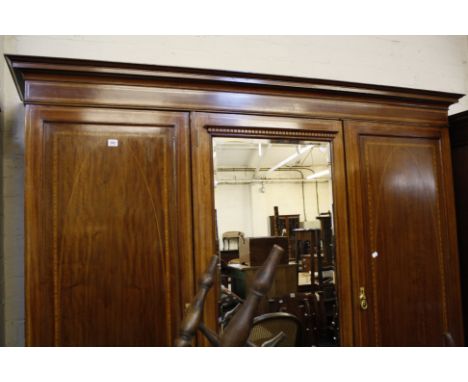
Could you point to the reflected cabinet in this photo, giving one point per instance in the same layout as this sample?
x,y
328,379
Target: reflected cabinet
x,y
120,204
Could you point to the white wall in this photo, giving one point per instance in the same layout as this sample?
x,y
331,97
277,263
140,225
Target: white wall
x,y
232,203
242,207
13,233
425,62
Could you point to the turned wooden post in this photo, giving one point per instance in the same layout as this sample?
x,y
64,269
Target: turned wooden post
x,y
238,330
194,313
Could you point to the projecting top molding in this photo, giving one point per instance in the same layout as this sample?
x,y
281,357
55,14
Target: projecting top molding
x,y
192,77
64,81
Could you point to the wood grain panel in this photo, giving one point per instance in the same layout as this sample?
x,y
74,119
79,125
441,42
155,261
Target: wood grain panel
x,y
405,228
110,251
403,218
78,92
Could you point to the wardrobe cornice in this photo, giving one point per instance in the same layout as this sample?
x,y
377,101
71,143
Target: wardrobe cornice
x,y
22,65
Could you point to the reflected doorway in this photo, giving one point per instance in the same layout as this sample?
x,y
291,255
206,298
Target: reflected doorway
x,y
278,192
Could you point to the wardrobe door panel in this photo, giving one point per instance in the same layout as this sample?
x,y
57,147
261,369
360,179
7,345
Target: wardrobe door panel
x,y
402,246
102,264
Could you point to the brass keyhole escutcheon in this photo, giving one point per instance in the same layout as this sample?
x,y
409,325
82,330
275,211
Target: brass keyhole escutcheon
x,y
363,298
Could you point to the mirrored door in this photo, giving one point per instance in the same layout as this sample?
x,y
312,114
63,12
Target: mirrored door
x,y
274,181
280,192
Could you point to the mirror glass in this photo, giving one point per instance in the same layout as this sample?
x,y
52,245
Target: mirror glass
x,y
278,192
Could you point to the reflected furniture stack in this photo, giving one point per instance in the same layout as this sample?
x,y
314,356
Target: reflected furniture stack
x,y
284,225
316,256
252,254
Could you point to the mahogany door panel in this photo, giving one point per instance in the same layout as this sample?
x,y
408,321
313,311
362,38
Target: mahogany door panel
x,y
402,249
106,250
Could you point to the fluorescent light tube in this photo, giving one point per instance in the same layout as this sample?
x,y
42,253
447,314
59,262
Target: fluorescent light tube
x,y
290,158
318,174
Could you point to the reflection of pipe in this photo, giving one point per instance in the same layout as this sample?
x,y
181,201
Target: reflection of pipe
x,y
290,158
303,198
317,194
319,174
298,169
251,169
260,181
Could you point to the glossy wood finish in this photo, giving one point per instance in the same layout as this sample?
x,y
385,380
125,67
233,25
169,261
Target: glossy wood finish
x,y
459,141
26,64
43,80
91,97
205,126
103,248
192,320
401,209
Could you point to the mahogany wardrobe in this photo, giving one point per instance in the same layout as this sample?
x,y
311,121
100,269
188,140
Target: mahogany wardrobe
x,y
119,205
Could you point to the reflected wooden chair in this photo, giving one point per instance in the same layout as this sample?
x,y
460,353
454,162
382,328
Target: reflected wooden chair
x,y
304,306
238,330
270,326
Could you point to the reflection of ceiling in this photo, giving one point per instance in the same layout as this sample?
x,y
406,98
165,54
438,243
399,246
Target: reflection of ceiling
x,y
246,153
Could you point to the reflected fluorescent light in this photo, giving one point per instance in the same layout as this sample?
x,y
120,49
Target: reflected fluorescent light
x,y
319,174
259,149
290,158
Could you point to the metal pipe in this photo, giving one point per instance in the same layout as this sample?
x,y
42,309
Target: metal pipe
x,y
260,181
251,169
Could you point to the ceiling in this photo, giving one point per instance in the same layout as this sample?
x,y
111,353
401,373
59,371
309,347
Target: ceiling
x,y
236,154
